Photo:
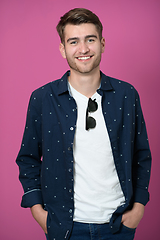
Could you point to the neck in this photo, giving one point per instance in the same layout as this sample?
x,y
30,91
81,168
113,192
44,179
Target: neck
x,y
86,84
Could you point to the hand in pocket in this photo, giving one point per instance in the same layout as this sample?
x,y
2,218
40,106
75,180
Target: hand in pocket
x,y
40,215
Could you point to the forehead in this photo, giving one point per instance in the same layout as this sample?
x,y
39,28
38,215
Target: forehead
x,y
80,31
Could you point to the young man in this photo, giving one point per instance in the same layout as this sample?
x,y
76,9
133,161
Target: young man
x,y
85,160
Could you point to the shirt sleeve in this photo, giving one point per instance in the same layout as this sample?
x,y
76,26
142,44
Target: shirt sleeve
x,y
141,158
29,157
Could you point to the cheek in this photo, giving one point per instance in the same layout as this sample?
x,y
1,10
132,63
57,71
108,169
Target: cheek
x,y
98,50
70,52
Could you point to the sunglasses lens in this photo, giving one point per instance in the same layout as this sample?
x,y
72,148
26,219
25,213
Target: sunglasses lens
x,y
90,123
92,105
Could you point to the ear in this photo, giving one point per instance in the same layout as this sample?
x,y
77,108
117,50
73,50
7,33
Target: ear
x,y
103,44
62,50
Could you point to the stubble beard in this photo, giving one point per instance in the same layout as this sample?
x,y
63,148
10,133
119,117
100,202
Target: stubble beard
x,y
84,69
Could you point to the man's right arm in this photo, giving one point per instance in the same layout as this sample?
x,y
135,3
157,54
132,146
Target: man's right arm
x,y
29,157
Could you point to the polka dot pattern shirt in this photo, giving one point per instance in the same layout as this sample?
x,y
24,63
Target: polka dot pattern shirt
x,y
45,158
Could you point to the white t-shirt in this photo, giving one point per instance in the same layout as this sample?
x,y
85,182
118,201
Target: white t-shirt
x,y
97,191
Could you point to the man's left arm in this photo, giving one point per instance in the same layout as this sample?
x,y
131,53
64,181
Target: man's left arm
x,y
140,172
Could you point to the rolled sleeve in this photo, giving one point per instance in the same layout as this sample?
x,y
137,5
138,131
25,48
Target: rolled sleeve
x,y
31,198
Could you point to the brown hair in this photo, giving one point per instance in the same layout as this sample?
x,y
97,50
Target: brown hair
x,y
78,16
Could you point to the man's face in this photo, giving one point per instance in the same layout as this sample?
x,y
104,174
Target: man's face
x,y
82,47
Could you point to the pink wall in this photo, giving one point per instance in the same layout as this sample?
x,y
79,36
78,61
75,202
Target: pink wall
x,y
30,58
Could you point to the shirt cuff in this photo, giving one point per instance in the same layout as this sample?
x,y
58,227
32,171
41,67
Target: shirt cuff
x,y
31,198
141,196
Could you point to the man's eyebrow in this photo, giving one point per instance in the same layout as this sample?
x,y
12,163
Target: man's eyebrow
x,y
72,39
76,38
91,36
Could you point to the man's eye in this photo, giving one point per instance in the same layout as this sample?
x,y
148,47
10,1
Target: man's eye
x,y
90,40
73,43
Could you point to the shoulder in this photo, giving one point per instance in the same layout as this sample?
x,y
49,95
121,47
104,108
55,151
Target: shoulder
x,y
43,90
120,84
123,87
39,95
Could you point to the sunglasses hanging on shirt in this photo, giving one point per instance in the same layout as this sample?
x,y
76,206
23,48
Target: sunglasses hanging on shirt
x,y
92,107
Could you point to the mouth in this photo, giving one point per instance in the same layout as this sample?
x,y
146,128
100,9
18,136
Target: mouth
x,y
84,58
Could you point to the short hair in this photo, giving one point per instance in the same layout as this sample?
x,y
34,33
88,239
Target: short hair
x,y
78,16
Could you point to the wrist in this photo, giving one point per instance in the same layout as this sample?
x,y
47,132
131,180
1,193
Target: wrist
x,y
36,209
138,208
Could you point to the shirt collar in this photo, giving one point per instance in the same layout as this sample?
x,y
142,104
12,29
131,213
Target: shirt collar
x,y
63,83
105,83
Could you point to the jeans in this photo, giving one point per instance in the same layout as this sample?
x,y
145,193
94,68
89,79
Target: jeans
x,y
85,231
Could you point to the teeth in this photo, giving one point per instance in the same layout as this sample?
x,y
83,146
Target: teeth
x,y
83,58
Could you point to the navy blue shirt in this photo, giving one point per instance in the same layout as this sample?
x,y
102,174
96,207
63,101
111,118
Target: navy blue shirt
x,y
46,160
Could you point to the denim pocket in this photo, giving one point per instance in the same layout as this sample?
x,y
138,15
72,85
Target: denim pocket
x,y
127,228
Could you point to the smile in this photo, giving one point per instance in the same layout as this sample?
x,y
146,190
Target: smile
x,y
84,58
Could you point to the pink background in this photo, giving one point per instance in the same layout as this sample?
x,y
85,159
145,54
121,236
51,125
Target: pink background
x,y
30,58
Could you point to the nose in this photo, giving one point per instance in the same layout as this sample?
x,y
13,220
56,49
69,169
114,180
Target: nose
x,y
83,48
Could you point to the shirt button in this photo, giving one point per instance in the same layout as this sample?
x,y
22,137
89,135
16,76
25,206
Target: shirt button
x,y
70,190
70,210
71,128
70,170
69,149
